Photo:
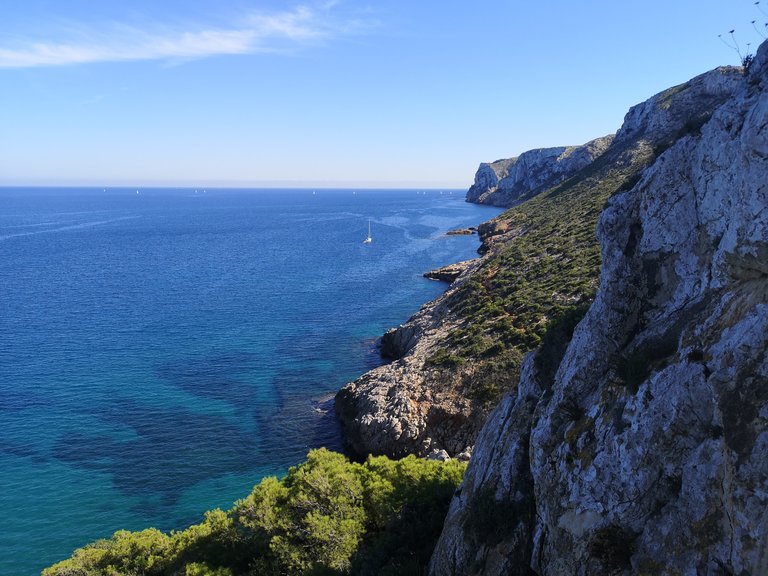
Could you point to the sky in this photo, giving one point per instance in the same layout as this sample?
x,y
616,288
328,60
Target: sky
x,y
335,93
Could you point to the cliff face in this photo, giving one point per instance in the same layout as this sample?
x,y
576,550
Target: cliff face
x,y
645,450
458,356
510,181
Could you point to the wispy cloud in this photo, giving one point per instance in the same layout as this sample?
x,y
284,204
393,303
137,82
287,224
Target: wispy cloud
x,y
255,33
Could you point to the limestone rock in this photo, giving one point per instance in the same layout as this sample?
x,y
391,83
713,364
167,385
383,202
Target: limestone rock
x,y
439,455
462,231
465,455
449,273
410,406
397,409
507,182
648,452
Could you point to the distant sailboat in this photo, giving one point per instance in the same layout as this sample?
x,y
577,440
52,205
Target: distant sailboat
x,y
369,239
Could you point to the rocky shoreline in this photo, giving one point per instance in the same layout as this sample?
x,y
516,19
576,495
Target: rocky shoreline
x,y
632,437
645,451
392,410
462,231
449,273
415,405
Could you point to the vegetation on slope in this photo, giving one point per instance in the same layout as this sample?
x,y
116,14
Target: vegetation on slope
x,y
328,516
544,265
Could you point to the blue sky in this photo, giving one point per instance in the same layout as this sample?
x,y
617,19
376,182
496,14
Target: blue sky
x,y
332,93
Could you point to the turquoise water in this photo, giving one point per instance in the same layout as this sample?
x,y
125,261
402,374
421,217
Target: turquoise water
x,y
160,352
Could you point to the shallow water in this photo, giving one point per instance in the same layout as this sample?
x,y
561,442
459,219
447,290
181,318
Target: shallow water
x,y
161,352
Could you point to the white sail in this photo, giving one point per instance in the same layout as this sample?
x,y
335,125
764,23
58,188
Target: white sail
x,y
369,239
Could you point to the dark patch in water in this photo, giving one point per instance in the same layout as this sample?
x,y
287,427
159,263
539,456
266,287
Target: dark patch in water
x,y
18,400
22,452
213,377
174,450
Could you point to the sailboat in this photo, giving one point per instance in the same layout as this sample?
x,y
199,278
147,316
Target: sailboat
x,y
369,239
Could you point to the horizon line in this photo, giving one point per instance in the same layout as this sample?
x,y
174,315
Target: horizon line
x,y
368,186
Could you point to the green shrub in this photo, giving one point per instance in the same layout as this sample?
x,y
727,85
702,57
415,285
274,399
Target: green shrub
x,y
327,516
444,358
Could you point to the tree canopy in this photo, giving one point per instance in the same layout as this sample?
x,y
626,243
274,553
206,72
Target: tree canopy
x,y
327,516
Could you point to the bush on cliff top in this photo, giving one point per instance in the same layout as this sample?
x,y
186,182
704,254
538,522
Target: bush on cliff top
x,y
327,516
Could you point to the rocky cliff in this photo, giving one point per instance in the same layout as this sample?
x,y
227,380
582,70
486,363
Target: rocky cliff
x,y
641,447
510,181
397,409
458,356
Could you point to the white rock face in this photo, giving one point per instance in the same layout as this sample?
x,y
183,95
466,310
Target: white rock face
x,y
507,182
648,453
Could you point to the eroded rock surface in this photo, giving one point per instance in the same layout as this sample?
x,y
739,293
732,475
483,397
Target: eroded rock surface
x,y
397,409
506,182
449,273
414,405
647,453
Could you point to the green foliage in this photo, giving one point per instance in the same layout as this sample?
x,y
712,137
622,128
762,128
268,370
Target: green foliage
x,y
536,284
445,359
328,516
126,554
322,519
195,569
407,500
493,377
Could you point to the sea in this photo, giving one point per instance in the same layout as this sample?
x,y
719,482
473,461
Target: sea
x,y
162,350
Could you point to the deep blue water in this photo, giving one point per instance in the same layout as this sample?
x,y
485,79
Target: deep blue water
x,y
161,352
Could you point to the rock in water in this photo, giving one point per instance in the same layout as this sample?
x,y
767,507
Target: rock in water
x,y
449,273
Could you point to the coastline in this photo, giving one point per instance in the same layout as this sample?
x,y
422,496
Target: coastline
x,y
231,388
392,410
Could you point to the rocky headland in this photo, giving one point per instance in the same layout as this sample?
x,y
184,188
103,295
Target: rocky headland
x,y
644,449
512,180
602,366
459,354
628,371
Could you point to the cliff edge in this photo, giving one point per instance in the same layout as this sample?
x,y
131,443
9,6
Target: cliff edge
x,y
461,353
645,449
510,181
